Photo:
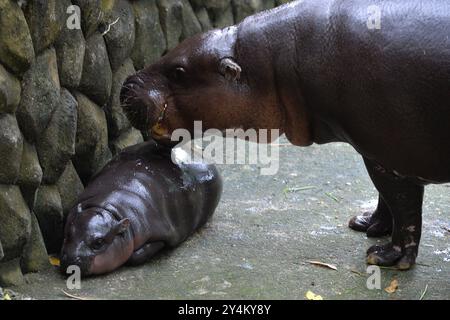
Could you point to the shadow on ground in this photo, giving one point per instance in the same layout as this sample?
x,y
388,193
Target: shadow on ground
x,y
266,229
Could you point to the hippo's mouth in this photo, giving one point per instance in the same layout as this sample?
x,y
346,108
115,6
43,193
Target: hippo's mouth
x,y
147,105
164,139
144,101
137,113
69,266
159,132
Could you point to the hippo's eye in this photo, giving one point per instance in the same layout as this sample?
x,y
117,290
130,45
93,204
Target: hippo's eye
x,y
179,73
98,243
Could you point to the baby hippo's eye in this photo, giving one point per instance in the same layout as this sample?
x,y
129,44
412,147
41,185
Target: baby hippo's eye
x,y
98,243
179,73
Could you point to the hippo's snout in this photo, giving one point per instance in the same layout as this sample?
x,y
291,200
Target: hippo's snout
x,y
135,102
68,261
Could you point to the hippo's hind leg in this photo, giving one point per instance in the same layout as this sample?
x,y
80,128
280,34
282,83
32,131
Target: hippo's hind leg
x,y
404,200
146,252
374,224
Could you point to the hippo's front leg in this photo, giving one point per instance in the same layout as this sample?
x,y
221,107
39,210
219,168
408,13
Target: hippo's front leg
x,y
374,224
404,200
146,252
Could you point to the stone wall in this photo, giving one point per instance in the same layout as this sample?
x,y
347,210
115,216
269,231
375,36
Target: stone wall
x,y
60,118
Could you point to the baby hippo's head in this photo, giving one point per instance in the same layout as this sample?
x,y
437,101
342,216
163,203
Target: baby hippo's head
x,y
96,241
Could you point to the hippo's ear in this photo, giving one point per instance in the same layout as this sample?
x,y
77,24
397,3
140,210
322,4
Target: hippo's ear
x,y
122,226
230,69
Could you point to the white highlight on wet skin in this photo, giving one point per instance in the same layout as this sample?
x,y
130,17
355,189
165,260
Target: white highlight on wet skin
x,y
411,244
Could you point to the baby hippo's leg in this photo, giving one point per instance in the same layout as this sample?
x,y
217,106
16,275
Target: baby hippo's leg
x,y
143,254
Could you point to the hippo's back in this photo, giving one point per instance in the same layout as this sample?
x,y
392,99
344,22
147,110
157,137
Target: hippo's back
x,y
373,73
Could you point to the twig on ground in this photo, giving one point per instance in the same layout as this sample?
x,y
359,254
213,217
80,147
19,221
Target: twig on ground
x,y
72,296
329,195
424,293
357,272
292,190
322,264
422,264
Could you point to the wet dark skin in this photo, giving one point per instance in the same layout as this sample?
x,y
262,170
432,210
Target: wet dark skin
x,y
140,203
317,72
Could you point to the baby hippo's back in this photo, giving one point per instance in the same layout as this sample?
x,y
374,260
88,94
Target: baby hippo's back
x,y
164,200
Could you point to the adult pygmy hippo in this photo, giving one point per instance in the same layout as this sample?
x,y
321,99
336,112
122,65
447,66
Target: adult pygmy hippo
x,y
138,204
322,71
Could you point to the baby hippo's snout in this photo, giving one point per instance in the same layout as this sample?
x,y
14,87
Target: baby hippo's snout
x,y
70,263
95,241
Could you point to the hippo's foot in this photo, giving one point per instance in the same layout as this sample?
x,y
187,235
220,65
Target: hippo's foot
x,y
374,224
390,255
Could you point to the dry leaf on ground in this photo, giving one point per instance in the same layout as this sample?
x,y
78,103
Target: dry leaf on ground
x,y
312,296
392,287
54,261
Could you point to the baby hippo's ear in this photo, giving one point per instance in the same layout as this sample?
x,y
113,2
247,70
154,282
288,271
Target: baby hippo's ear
x,y
230,69
122,226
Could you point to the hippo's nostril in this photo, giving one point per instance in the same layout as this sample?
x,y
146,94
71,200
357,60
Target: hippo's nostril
x,y
130,88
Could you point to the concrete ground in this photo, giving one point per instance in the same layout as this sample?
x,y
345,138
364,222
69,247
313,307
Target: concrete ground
x,y
266,229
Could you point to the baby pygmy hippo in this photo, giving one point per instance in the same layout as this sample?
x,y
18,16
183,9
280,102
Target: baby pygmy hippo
x,y
140,203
